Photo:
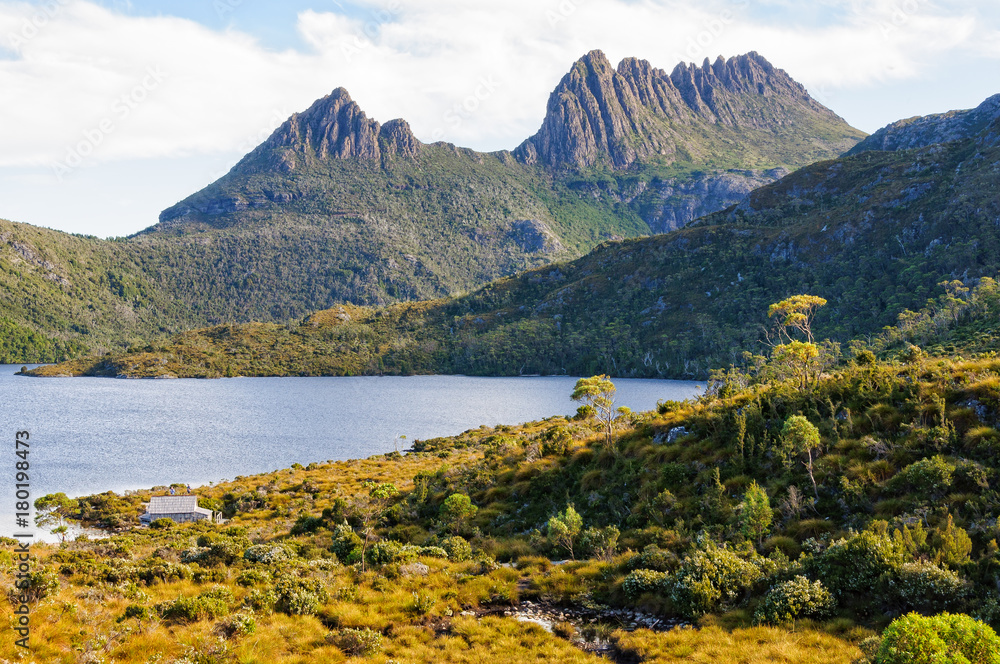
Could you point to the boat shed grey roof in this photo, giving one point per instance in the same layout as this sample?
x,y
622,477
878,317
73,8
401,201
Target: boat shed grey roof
x,y
176,505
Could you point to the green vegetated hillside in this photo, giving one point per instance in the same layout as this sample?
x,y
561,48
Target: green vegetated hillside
x,y
874,234
62,294
337,208
439,223
785,519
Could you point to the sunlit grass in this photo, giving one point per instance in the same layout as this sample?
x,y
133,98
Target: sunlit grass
x,y
754,645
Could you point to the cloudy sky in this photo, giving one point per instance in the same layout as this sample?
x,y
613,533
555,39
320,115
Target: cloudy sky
x,y
115,109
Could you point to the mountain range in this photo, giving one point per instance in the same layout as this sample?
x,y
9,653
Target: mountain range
x,y
337,208
874,232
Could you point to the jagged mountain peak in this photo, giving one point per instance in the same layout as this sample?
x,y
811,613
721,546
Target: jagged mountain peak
x,y
636,112
334,127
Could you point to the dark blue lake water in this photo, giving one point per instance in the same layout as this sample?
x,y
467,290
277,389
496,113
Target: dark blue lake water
x,y
90,435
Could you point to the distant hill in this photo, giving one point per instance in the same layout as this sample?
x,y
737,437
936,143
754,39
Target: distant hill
x,y
63,294
873,233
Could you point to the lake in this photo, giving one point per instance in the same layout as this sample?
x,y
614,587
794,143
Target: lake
x,y
90,435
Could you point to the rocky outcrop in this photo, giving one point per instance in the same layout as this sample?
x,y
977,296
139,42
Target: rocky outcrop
x,y
334,127
600,114
534,236
927,130
991,137
675,202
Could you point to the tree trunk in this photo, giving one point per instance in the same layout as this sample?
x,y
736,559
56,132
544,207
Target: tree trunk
x,y
809,467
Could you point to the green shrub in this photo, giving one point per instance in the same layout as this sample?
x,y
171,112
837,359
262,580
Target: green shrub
x,y
252,577
653,557
928,588
855,565
35,585
137,611
791,600
711,577
456,510
267,554
238,624
261,600
387,552
217,575
356,642
432,552
971,476
162,524
306,524
299,597
422,603
643,581
929,477
942,639
346,544
225,551
157,570
193,555
213,603
457,547
601,542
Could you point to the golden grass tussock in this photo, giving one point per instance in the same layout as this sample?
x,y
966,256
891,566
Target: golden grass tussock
x,y
753,645
488,641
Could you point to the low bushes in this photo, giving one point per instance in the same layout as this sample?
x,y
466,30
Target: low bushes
x,y
927,587
362,642
791,600
266,554
298,597
643,581
711,577
458,548
943,639
213,603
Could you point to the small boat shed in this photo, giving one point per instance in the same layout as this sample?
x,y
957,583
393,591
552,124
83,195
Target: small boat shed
x,y
179,508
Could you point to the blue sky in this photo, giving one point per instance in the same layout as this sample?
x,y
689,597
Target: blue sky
x,y
115,110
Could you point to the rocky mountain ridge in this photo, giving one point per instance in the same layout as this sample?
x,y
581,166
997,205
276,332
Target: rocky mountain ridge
x,y
636,112
921,131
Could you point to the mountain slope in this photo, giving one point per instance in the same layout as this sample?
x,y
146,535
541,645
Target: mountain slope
x,y
63,294
872,233
397,219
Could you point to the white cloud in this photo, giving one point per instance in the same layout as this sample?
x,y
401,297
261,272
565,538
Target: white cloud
x,y
476,74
